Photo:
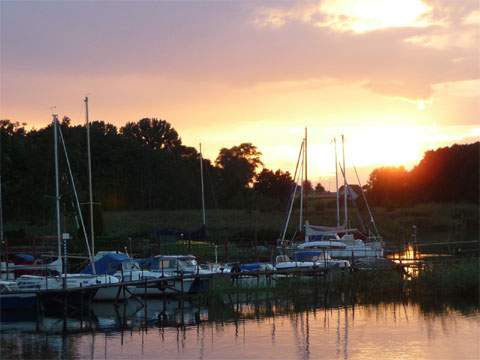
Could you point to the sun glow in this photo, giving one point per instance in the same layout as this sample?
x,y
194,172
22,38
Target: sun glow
x,y
368,15
350,15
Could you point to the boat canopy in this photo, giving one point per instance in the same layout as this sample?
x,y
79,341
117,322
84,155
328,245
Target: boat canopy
x,y
169,262
319,233
108,264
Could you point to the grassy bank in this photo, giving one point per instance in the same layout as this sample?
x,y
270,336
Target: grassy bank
x,y
240,233
436,223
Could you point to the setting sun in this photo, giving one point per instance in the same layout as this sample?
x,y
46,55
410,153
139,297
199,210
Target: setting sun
x,y
363,16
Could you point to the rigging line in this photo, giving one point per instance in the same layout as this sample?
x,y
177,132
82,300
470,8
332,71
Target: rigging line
x,y
346,190
76,199
292,199
372,220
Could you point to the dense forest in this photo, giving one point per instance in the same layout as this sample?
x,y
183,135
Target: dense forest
x,y
145,165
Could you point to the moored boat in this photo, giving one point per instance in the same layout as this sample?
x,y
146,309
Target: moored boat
x,y
11,298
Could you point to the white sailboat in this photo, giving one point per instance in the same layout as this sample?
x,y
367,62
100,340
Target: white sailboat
x,y
342,241
66,280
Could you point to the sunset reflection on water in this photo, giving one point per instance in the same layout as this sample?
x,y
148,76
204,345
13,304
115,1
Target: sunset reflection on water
x,y
387,331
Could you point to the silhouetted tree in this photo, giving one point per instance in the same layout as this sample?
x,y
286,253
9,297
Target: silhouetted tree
x,y
153,133
319,188
277,185
238,164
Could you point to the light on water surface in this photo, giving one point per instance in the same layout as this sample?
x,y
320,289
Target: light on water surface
x,y
386,331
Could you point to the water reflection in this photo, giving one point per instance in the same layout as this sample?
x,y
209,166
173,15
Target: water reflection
x,y
249,327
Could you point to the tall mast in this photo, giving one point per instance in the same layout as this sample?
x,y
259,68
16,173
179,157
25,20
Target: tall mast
x,y
302,173
345,186
336,182
306,173
1,204
92,228
57,186
203,190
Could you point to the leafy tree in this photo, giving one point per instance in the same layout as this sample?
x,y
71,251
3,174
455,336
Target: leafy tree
x,y
153,133
277,185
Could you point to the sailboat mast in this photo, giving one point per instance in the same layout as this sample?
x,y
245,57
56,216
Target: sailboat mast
x,y
345,186
302,169
87,125
1,207
306,173
203,188
57,187
336,182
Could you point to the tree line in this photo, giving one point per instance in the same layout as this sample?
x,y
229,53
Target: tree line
x,y
448,174
140,166
144,165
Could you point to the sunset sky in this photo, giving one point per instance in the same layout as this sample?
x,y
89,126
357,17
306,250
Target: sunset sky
x,y
396,77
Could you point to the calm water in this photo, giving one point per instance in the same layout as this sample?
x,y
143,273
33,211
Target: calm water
x,y
247,329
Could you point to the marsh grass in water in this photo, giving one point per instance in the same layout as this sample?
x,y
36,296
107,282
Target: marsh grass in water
x,y
459,278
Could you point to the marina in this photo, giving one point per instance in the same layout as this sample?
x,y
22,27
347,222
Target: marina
x,y
240,180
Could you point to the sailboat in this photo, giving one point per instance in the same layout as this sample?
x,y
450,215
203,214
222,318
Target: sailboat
x,y
65,280
303,258
342,241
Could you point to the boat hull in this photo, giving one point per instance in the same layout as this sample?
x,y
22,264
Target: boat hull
x,y
163,287
17,301
111,293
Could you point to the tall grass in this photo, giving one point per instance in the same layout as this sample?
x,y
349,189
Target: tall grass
x,y
458,279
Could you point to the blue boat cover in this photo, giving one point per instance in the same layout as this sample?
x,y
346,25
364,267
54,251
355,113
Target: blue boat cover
x,y
24,257
252,266
108,264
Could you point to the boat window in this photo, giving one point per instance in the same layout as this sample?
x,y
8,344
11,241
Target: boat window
x,y
187,262
131,265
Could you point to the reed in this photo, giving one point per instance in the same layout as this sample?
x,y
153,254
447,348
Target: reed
x,y
458,278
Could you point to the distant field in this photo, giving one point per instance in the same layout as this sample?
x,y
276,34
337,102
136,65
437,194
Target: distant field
x,y
435,223
243,234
